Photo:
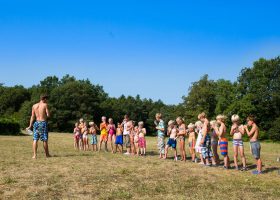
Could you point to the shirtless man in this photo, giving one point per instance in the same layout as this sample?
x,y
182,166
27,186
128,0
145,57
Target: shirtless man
x,y
255,144
40,113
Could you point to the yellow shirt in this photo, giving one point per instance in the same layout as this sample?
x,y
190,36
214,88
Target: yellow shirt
x,y
103,128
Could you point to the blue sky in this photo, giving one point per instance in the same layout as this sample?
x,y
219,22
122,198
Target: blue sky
x,y
152,48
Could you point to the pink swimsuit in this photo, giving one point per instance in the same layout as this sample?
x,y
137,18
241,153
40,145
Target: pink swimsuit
x,y
112,131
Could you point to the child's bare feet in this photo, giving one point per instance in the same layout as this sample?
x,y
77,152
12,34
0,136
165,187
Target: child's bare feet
x,y
34,157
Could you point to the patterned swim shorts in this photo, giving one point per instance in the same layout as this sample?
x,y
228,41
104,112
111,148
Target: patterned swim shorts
x,y
40,131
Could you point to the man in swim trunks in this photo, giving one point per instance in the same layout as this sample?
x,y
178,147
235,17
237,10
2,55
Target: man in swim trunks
x,y
254,142
40,113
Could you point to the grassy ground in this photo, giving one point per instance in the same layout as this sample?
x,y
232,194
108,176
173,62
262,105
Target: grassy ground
x,y
86,175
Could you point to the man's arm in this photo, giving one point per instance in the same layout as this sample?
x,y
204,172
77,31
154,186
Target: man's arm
x,y
31,118
47,111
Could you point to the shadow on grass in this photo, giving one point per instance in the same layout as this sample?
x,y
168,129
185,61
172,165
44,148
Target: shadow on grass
x,y
271,169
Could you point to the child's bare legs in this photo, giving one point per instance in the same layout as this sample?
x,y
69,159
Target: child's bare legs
x,y
226,161
259,165
235,156
137,149
201,159
243,158
166,151
215,153
113,139
100,143
46,147
183,152
175,154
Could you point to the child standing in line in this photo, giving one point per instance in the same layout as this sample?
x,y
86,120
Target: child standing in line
x,y
160,135
237,131
198,126
85,137
77,133
221,132
93,131
142,140
182,137
119,138
214,141
136,140
111,128
172,132
191,141
81,126
131,137
103,134
206,140
254,142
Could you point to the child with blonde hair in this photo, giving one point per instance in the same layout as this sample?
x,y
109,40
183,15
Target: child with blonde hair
x,y
111,128
199,126
136,140
160,134
191,140
182,137
77,133
93,131
221,132
81,126
85,136
119,138
103,133
214,141
237,131
172,132
206,141
142,141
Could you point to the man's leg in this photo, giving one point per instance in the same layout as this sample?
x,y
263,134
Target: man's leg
x,y
35,147
46,147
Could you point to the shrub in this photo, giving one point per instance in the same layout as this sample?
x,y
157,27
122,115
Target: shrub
x,y
9,127
274,131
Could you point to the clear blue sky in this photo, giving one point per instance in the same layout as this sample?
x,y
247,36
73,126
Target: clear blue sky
x,y
152,48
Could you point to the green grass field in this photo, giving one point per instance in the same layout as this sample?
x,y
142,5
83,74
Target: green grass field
x,y
86,175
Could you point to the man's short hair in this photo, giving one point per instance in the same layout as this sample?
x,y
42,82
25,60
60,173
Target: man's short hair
x,y
44,97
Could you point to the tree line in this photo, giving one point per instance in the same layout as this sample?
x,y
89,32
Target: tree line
x,y
256,91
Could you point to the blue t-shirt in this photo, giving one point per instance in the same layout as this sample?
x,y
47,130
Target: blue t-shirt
x,y
161,126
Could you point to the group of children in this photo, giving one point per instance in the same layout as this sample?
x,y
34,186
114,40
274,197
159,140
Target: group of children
x,y
127,133
203,139
210,135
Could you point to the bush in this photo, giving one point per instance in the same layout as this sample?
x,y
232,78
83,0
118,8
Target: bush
x,y
9,127
274,131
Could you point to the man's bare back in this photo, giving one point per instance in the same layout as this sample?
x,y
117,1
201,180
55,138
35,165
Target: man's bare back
x,y
41,111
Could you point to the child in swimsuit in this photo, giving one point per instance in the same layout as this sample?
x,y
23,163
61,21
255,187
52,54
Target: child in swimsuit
x,y
223,142
81,126
214,142
103,134
131,137
237,131
198,126
172,133
119,139
112,133
136,140
142,141
93,131
182,136
85,137
76,136
191,141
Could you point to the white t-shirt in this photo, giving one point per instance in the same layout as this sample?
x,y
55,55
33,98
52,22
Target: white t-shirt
x,y
125,132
